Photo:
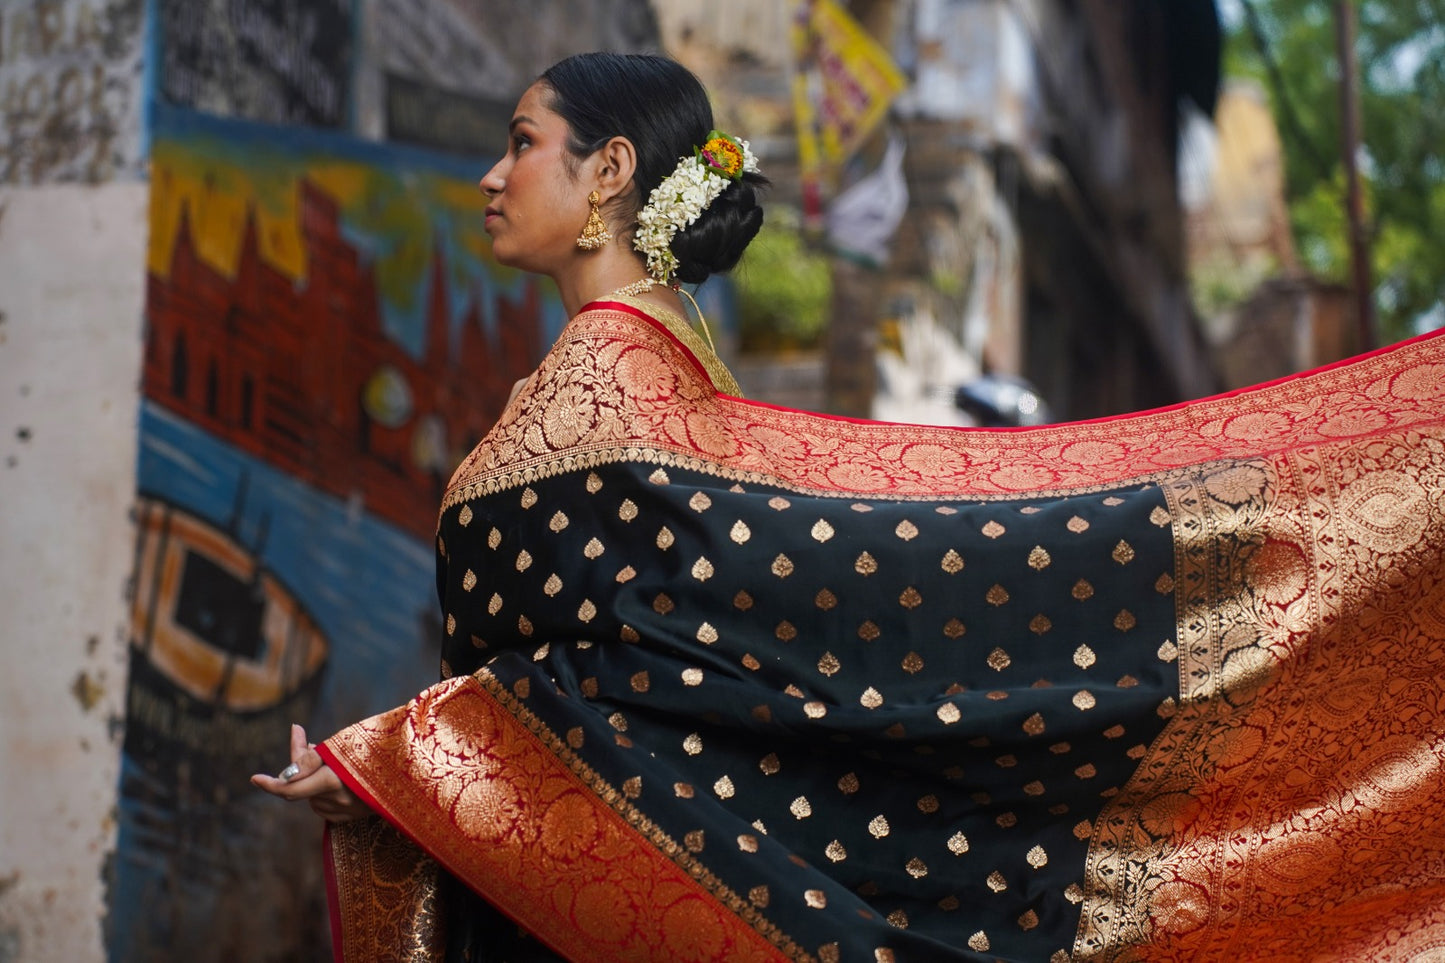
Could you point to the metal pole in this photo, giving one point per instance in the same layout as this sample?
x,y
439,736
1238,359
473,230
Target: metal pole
x,y
1354,198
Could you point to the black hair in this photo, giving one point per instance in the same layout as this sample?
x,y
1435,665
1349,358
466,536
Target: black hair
x,y
659,106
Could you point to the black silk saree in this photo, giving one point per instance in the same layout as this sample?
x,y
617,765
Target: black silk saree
x,y
724,681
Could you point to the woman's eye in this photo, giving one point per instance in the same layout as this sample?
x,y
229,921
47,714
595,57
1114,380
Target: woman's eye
x,y
519,142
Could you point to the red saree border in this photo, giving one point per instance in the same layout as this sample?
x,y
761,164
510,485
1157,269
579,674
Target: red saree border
x,y
473,782
641,315
614,389
1291,804
382,895
1308,373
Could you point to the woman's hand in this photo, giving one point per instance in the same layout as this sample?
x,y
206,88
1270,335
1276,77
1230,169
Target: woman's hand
x,y
315,782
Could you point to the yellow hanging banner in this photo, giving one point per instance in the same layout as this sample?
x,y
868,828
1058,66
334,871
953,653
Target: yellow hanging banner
x,y
842,88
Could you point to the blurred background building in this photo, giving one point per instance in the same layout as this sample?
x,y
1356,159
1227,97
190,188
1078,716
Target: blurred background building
x,y
1040,230
249,322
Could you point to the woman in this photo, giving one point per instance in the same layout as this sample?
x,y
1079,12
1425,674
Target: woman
x,y
728,681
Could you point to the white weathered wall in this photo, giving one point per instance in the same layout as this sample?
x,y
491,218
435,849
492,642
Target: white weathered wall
x,y
70,90
72,276
72,280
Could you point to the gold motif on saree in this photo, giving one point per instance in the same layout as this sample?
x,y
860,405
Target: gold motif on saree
x,y
387,894
1244,824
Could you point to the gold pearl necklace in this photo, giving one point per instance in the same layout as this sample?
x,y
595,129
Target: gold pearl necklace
x,y
635,288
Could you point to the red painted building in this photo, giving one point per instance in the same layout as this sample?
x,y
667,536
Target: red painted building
x,y
303,374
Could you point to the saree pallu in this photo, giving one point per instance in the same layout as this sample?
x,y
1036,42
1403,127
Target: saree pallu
x,y
724,681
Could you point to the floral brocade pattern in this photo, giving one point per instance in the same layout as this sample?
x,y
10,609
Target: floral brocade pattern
x,y
476,787
734,681
615,387
1291,811
386,895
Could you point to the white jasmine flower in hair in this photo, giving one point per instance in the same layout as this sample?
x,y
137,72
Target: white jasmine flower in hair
x,y
684,194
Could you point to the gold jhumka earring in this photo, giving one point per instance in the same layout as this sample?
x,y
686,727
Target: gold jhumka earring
x,y
594,233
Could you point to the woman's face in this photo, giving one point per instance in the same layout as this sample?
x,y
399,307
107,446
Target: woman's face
x,y
537,208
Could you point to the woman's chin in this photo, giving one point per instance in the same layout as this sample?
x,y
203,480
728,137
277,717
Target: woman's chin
x,y
503,255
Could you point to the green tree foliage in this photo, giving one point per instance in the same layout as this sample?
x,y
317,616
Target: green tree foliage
x,y
1290,47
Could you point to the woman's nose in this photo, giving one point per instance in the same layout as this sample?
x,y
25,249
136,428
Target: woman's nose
x,y
491,182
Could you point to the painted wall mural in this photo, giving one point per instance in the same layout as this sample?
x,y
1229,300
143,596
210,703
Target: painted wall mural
x,y
326,336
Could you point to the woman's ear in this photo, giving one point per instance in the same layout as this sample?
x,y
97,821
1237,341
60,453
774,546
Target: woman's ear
x,y
617,163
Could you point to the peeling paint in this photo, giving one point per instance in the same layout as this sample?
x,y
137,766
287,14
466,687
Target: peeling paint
x,y
68,95
87,691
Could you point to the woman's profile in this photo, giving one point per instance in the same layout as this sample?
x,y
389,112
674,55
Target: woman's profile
x,y
728,681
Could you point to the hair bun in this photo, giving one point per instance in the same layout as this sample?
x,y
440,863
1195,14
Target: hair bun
x,y
716,240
